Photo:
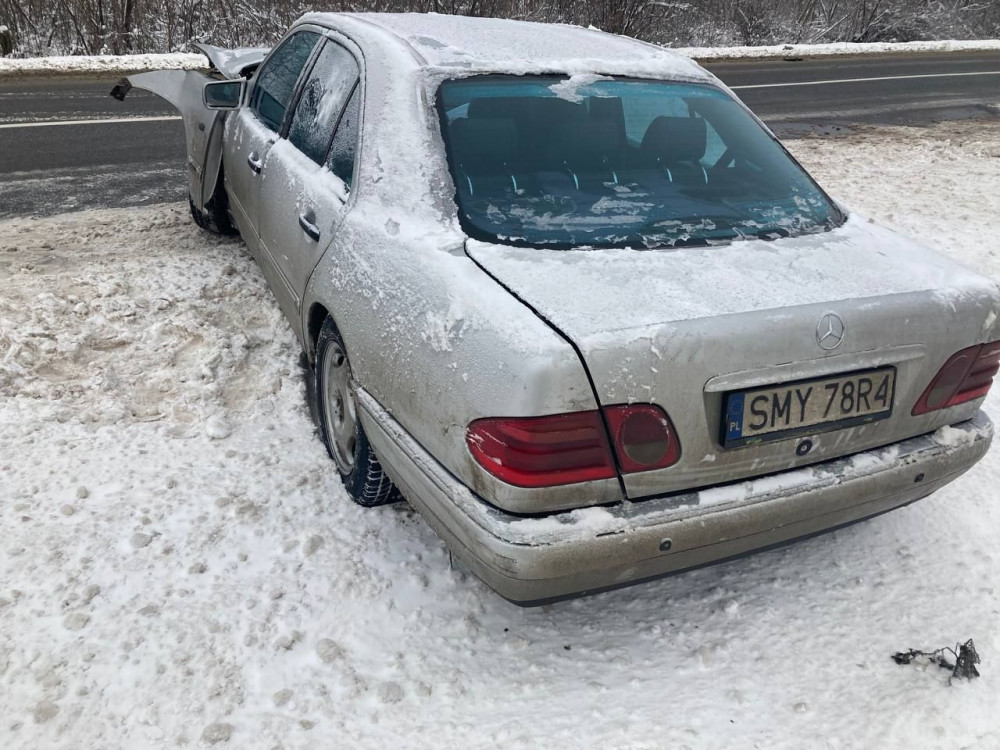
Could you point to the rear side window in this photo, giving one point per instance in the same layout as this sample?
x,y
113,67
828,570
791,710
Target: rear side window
x,y
276,79
324,94
345,141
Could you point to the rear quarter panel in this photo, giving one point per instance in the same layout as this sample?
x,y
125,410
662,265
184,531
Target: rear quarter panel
x,y
438,344
434,339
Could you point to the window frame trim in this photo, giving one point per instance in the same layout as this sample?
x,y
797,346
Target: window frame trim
x,y
337,37
356,88
301,87
341,38
297,88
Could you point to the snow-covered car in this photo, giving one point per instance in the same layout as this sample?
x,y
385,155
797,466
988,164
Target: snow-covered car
x,y
569,296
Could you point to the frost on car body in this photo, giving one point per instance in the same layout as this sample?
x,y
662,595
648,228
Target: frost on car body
x,y
559,269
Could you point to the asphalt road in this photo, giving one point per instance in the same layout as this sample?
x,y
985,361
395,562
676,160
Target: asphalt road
x,y
66,145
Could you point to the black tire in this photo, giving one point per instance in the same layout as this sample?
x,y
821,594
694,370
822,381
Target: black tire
x,y
345,439
215,217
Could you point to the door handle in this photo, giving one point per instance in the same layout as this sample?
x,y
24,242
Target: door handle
x,y
255,162
308,227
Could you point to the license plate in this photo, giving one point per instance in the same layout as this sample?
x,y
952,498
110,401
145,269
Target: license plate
x,y
780,411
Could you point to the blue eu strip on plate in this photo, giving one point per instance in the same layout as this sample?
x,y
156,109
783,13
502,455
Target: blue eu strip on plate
x,y
734,417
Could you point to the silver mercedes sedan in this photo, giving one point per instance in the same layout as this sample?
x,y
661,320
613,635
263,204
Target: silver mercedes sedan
x,y
568,296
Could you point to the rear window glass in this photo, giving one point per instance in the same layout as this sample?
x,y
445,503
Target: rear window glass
x,y
539,160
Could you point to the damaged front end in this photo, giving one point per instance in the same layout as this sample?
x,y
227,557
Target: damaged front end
x,y
203,122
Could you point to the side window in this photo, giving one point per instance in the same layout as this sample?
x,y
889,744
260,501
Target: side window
x,y
345,140
322,100
272,91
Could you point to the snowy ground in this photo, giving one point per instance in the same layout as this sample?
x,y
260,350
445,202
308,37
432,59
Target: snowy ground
x,y
96,64
178,563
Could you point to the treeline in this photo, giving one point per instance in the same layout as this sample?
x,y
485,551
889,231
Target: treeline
x,y
48,27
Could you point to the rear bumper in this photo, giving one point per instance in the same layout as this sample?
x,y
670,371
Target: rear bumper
x,y
538,559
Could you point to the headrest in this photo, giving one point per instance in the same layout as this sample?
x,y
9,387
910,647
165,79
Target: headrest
x,y
611,110
484,146
675,139
492,107
543,112
583,145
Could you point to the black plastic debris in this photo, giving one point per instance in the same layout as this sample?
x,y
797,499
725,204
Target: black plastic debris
x,y
965,664
121,89
965,654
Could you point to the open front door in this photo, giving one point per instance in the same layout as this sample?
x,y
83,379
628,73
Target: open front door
x,y
202,126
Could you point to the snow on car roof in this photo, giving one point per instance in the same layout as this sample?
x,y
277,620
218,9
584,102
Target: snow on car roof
x,y
501,45
404,180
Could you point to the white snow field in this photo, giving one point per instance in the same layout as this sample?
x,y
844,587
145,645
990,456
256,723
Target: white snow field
x,y
180,567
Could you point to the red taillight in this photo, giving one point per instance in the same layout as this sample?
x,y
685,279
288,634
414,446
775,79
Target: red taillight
x,y
967,375
570,448
643,436
543,451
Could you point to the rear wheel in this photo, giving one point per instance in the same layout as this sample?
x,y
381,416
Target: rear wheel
x,y
215,216
345,438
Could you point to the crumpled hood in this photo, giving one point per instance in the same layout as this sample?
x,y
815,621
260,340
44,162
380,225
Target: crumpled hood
x,y
232,62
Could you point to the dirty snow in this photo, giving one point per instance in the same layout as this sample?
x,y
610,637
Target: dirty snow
x,y
180,566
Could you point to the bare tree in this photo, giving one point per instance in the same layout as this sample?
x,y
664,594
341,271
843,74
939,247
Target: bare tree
x,y
41,27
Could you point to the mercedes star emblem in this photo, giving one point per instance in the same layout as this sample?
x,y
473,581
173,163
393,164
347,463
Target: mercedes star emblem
x,y
830,331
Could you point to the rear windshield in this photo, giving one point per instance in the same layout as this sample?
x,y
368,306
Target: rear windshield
x,y
548,161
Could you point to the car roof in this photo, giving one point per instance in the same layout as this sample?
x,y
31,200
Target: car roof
x,y
518,47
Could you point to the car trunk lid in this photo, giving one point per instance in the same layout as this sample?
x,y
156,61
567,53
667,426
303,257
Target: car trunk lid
x,y
684,327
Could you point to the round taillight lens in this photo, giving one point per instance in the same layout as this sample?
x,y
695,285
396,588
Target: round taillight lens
x,y
645,437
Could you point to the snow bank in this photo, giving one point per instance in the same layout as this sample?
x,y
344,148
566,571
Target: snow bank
x,y
180,566
98,64
121,64
834,49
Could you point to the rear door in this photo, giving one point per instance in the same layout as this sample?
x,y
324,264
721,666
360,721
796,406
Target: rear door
x,y
306,178
254,128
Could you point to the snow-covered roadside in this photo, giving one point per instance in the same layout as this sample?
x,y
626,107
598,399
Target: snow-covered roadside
x,y
838,49
179,564
121,64
939,184
99,64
